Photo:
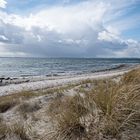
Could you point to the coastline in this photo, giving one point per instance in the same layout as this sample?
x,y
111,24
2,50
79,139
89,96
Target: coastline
x,y
30,110
41,82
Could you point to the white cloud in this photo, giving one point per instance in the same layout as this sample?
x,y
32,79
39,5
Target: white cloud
x,y
3,4
61,18
80,30
108,36
133,50
126,47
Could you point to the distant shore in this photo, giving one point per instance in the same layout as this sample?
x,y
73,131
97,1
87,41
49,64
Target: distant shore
x,y
42,82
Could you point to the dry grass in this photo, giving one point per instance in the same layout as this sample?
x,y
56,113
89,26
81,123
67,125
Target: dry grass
x,y
9,101
68,113
132,77
71,104
1,118
26,108
19,131
5,105
26,95
118,108
14,132
109,110
3,130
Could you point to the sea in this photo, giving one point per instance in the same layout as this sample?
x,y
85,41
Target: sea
x,y
23,67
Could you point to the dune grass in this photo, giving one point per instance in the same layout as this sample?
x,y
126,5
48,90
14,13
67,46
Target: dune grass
x,y
26,108
6,105
13,132
108,110
132,77
67,114
9,101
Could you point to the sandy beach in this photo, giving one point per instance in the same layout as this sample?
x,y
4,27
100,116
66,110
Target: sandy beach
x,y
45,108
37,83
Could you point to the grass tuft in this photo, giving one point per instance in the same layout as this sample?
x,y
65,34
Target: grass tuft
x,y
106,112
67,114
6,105
27,107
132,77
13,132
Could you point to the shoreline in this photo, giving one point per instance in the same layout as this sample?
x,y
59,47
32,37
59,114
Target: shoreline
x,y
40,83
4,81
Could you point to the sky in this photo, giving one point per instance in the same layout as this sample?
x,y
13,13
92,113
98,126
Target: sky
x,y
70,28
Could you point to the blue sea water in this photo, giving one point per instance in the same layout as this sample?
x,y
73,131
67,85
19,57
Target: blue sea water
x,y
17,67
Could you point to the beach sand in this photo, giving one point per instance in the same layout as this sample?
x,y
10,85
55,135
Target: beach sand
x,y
41,82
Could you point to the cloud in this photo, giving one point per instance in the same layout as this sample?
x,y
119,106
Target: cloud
x,y
3,38
61,18
119,47
108,36
3,4
83,29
